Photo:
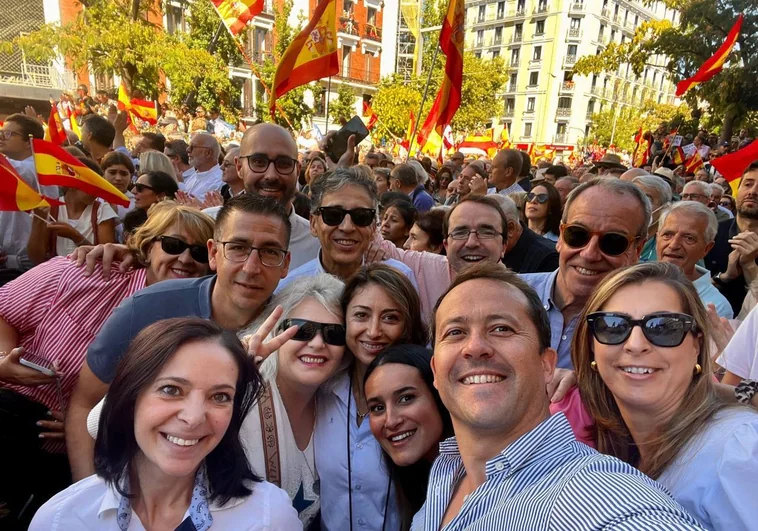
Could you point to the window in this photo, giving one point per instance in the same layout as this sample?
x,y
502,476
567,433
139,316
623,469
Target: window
x,y
500,9
539,27
576,23
571,50
346,61
479,37
512,83
515,56
530,103
527,129
478,54
481,13
601,32
534,79
590,107
521,7
510,105
560,130
495,53
498,35
371,16
564,103
518,30
613,35
537,53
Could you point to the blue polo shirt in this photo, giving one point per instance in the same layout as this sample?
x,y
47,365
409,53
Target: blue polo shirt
x,y
164,300
421,199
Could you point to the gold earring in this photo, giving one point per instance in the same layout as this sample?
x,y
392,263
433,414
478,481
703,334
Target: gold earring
x,y
698,368
593,366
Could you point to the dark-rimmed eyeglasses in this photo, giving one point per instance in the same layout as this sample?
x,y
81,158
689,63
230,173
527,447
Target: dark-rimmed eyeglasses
x,y
334,216
139,187
541,198
8,134
175,246
259,163
333,334
240,252
662,329
482,234
610,243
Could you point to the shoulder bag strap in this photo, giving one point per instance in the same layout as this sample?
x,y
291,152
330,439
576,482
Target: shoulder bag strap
x,y
93,220
270,436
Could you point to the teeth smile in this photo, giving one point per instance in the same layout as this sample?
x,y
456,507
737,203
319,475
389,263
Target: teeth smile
x,y
402,436
182,442
587,272
181,272
372,346
638,370
345,242
472,258
312,359
482,379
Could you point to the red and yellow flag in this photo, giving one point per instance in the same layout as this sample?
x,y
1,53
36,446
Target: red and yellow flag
x,y
143,109
55,132
716,62
505,141
731,166
74,124
406,143
311,55
15,194
449,96
56,167
484,142
641,150
237,13
372,116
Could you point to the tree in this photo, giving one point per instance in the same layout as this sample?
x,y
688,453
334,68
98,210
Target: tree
x,y
702,28
343,107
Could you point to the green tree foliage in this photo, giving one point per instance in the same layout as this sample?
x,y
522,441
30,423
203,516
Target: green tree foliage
x,y
342,108
702,28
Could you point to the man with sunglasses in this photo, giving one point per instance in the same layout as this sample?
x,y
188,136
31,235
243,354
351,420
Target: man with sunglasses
x,y
604,227
203,151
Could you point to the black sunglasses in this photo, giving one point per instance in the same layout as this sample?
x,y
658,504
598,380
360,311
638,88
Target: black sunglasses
x,y
541,198
610,243
662,329
139,187
175,246
333,334
333,216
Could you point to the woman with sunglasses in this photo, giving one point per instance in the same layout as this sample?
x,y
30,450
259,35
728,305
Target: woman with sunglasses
x,y
169,453
54,312
408,419
543,210
153,187
641,352
381,308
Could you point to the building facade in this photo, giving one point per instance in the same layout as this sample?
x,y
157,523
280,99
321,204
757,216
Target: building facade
x,y
544,102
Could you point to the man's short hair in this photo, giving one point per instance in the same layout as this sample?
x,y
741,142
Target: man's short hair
x,y
405,174
482,200
753,167
178,148
693,208
704,187
513,159
101,129
29,126
499,273
526,164
210,142
157,141
659,185
479,169
253,204
557,171
334,181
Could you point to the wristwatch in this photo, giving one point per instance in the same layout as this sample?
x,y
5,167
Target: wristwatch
x,y
745,391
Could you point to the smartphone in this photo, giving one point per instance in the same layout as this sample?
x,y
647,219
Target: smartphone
x,y
38,363
338,144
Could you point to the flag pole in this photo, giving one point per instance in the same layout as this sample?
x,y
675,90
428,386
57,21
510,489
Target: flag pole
x,y
423,100
326,112
36,181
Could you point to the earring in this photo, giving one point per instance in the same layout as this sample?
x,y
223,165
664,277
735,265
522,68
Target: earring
x,y
593,366
698,368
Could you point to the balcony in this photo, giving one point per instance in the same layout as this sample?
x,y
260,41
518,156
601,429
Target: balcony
x,y
512,87
589,115
567,86
540,9
38,82
569,61
534,61
605,13
529,112
577,7
617,19
497,41
348,26
516,14
372,33
359,76
574,34
508,113
515,39
561,138
598,91
563,112
515,63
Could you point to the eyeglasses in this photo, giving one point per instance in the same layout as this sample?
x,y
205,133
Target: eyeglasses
x,y
175,246
333,334
240,252
191,147
694,197
482,234
259,163
226,165
541,198
662,329
8,134
139,187
333,216
610,243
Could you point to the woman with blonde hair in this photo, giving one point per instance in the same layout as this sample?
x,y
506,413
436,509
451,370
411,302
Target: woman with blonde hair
x,y
641,353
156,161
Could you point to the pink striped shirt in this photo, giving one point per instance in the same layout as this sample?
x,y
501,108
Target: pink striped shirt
x,y
57,312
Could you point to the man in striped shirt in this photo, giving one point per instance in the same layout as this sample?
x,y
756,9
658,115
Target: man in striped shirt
x,y
511,465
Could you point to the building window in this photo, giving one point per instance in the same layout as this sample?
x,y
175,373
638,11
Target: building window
x,y
514,57
513,83
518,31
613,35
564,103
499,35
576,23
571,50
537,53
175,19
479,37
539,27
500,9
478,54
527,130
530,103
600,33
560,130
346,61
534,78
481,13
510,105
521,6
348,9
371,16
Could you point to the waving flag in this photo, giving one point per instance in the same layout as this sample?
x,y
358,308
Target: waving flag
x,y
55,132
311,55
15,194
406,143
641,151
57,167
372,116
143,109
484,142
731,166
237,13
716,62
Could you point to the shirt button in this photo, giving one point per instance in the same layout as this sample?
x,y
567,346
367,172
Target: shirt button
x,y
564,337
547,306
357,487
360,446
499,466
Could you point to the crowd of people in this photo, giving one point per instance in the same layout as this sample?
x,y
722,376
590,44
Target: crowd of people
x,y
268,339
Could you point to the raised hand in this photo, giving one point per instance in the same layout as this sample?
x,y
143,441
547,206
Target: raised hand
x,y
256,345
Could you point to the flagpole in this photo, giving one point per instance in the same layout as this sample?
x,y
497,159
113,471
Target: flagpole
x,y
326,112
423,100
34,161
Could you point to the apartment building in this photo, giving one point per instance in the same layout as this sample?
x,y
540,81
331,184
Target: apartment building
x,y
544,102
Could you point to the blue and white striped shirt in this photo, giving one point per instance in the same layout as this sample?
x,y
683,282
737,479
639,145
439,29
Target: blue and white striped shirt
x,y
547,480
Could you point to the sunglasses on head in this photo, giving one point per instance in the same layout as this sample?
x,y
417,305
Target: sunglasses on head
x,y
333,216
662,329
333,334
175,246
610,243
541,198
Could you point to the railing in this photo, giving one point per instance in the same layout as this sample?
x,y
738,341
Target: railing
x,y
348,26
535,60
629,24
512,87
617,18
561,138
497,41
563,112
598,91
577,6
529,111
567,86
569,60
542,8
360,75
40,76
517,37
574,33
517,13
372,33
516,62
589,115
508,113
605,13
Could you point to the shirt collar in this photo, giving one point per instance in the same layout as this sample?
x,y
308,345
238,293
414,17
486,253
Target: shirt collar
x,y
547,290
206,172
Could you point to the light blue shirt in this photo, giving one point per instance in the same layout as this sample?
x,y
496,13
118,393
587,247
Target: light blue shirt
x,y
369,473
315,267
710,294
713,477
560,332
547,480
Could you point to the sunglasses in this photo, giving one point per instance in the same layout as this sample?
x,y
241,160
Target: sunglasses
x,y
541,198
662,329
139,188
610,243
175,246
334,216
333,334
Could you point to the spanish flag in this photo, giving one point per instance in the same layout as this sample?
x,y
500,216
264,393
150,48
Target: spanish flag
x,y
55,132
505,141
15,194
372,116
74,124
311,55
406,143
56,167
484,142
731,166
713,65
237,13
449,96
142,109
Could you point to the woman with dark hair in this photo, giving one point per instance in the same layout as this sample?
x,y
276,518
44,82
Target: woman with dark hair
x,y
442,180
426,233
381,308
408,419
168,451
316,167
382,180
152,187
398,218
543,210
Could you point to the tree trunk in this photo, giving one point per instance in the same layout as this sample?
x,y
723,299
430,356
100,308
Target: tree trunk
x,y
135,9
726,130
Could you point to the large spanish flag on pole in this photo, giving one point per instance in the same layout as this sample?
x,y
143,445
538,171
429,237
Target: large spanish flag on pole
x,y
56,167
311,55
143,109
713,65
731,166
449,96
55,132
15,194
237,13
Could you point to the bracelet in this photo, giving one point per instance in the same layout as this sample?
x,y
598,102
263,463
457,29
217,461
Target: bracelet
x,y
745,391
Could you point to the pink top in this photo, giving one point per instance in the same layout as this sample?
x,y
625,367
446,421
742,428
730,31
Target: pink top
x,y
582,424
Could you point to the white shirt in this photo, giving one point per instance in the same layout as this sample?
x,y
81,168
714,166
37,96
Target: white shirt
x,y
713,477
64,246
739,356
90,505
202,182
